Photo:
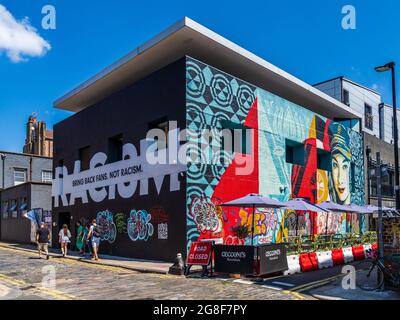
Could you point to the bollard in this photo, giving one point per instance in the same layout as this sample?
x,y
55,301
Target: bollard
x,y
178,268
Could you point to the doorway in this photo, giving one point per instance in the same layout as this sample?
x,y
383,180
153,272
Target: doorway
x,y
64,218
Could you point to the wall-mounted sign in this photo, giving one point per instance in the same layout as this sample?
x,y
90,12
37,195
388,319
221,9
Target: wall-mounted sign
x,y
199,253
120,177
272,258
234,259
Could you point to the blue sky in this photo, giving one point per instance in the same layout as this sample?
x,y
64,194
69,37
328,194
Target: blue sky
x,y
305,38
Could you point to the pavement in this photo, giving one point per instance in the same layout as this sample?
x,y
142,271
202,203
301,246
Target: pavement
x,y
24,276
123,278
148,266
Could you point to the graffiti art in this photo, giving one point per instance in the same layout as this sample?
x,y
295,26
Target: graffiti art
x,y
139,226
107,226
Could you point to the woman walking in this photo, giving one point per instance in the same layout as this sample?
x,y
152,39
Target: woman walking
x,y
79,237
64,237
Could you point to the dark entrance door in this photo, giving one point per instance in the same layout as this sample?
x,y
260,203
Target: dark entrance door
x,y
63,218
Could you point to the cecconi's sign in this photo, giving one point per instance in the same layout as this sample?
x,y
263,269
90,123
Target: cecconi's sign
x,y
103,181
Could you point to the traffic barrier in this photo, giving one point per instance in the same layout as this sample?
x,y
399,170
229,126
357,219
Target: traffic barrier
x,y
375,248
337,257
324,259
308,261
348,254
358,253
293,265
368,252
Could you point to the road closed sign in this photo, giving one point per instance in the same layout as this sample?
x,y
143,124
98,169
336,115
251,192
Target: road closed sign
x,y
199,253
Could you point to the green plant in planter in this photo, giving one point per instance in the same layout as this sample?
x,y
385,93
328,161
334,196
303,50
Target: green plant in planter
x,y
240,231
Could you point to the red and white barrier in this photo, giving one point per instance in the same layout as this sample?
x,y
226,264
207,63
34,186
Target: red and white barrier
x,y
293,265
348,254
326,259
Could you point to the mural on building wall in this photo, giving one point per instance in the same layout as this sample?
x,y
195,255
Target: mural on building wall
x,y
106,224
139,226
330,166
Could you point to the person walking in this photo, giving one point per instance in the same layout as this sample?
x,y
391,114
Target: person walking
x,y
79,237
95,234
64,239
86,240
42,240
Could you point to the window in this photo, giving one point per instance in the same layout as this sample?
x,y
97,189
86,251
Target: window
x,y
84,157
346,98
294,152
47,176
13,209
19,176
163,125
369,118
115,145
240,137
4,209
23,205
324,160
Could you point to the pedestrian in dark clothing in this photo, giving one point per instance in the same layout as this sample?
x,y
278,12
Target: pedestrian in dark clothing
x,y
42,240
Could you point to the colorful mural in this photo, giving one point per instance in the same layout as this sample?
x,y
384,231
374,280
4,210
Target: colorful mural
x,y
139,226
294,153
107,226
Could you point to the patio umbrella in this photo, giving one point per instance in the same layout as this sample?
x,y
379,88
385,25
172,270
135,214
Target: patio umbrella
x,y
361,209
253,200
335,207
376,208
302,205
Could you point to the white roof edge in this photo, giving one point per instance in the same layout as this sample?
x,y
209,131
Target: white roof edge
x,y
251,56
361,86
187,22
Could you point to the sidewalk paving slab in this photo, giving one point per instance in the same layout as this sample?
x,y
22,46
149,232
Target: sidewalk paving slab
x,y
145,266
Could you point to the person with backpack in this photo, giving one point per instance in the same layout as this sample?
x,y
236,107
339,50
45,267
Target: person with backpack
x,y
95,234
64,237
87,241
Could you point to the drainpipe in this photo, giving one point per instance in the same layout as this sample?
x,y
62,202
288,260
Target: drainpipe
x,y
3,159
30,169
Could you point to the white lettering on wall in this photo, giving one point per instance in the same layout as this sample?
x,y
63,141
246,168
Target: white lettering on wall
x,y
103,180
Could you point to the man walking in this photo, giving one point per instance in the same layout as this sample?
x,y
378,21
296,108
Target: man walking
x,y
42,239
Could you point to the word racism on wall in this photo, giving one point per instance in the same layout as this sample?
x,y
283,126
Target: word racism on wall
x,y
104,180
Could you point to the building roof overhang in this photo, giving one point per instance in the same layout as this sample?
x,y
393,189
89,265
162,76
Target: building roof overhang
x,y
188,38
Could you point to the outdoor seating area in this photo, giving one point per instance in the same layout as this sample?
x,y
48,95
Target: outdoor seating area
x,y
301,250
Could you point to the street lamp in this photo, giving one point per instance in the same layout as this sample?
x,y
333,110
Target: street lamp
x,y
387,67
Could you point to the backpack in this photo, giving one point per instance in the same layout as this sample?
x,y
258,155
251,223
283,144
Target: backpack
x,y
96,232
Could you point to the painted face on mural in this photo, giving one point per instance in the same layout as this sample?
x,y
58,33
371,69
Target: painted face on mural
x,y
341,164
341,176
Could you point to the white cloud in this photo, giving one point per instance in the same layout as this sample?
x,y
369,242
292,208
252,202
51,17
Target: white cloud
x,y
19,39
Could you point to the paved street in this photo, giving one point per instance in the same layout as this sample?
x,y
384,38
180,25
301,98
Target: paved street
x,y
21,278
